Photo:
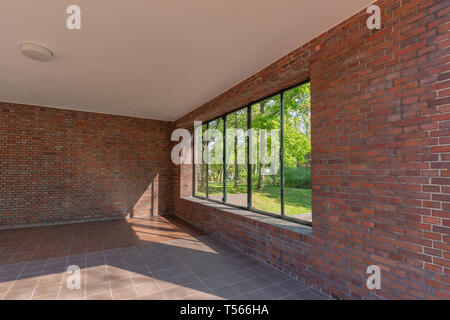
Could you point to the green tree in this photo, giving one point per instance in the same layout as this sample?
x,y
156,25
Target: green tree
x,y
297,126
236,120
265,115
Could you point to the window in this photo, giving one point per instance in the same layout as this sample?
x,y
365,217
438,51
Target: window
x,y
214,159
200,169
259,157
237,160
266,124
297,152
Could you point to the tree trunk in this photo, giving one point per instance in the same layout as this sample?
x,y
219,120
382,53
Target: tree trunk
x,y
203,171
260,186
236,166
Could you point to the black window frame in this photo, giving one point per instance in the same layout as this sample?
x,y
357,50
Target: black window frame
x,y
249,178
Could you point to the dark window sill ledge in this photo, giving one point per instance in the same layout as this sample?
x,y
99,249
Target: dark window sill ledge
x,y
276,222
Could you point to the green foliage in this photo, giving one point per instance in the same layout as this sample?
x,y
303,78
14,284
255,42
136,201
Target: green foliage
x,y
266,115
297,126
297,177
216,189
297,122
295,200
294,177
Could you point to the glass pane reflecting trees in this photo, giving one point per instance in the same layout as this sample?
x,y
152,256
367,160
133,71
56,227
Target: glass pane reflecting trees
x,y
200,168
214,159
280,130
236,161
265,149
297,152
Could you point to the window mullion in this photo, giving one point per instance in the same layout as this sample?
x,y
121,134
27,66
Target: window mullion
x,y
194,167
282,151
225,173
207,161
249,165
285,97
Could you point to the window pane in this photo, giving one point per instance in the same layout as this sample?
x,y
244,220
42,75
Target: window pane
x,y
266,190
215,159
237,158
297,153
200,172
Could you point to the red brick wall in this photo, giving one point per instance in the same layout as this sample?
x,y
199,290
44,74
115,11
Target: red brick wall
x,y
380,161
60,165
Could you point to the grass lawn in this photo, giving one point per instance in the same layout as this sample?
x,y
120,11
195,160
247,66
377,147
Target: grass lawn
x,y
296,200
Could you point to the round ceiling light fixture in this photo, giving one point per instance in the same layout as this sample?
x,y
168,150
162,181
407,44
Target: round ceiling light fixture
x,y
36,51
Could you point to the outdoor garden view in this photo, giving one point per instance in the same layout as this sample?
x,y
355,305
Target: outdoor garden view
x,y
266,191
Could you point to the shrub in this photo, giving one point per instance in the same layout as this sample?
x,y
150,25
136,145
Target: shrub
x,y
297,177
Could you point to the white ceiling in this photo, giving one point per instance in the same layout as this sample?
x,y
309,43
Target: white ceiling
x,y
151,59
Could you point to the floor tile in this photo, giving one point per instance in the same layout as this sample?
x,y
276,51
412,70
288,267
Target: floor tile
x,y
101,296
75,294
147,288
310,295
97,289
125,293
46,290
156,258
19,295
226,292
158,295
175,293
121,283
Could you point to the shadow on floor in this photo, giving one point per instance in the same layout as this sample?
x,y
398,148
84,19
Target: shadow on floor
x,y
156,258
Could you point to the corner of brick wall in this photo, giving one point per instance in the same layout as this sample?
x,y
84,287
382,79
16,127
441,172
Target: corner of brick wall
x,y
59,165
381,154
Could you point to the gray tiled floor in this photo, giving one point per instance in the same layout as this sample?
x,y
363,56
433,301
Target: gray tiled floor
x,y
198,268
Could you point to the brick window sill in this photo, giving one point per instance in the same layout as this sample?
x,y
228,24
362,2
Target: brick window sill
x,y
257,217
